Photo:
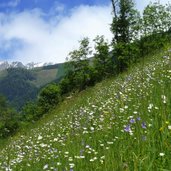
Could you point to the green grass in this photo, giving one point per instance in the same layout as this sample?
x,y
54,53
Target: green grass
x,y
122,123
44,77
47,74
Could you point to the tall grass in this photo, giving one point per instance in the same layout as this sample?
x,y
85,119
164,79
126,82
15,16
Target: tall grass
x,y
122,123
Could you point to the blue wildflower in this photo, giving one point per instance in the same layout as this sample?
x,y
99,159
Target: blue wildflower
x,y
138,119
132,121
143,125
127,128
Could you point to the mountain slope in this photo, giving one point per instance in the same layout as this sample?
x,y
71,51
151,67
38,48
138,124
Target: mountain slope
x,y
120,124
20,85
17,88
43,74
47,74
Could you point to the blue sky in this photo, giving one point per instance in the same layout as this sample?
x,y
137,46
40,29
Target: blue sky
x,y
47,30
46,4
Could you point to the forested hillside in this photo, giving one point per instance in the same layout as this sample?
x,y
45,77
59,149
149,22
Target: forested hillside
x,y
17,87
21,85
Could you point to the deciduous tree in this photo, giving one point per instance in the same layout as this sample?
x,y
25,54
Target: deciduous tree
x,y
125,28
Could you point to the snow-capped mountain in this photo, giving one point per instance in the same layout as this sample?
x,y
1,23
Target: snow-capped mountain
x,y
16,65
32,65
5,65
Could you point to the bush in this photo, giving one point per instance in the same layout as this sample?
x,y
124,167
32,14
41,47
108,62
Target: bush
x,y
49,97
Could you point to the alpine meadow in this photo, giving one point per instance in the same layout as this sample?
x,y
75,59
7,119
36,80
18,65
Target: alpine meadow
x,y
107,108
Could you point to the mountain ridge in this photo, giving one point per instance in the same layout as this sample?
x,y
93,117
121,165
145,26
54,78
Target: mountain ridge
x,y
16,64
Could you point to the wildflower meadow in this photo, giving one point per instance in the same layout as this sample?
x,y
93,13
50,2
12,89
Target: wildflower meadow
x,y
123,123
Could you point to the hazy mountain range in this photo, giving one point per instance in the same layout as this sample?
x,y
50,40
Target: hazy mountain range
x,y
5,65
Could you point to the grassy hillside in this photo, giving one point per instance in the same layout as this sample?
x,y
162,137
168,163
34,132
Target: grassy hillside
x,y
44,76
122,123
47,74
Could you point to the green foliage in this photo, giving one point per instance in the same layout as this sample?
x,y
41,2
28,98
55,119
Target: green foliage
x,y
8,119
17,87
102,62
136,36
125,28
126,55
79,65
149,44
3,103
155,27
156,18
49,97
31,112
65,85
125,22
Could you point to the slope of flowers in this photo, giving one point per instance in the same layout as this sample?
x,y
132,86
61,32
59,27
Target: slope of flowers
x,y
120,124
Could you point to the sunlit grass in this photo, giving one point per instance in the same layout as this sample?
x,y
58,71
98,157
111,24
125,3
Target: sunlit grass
x,y
44,76
122,123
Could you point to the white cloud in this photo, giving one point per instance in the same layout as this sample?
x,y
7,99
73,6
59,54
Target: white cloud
x,y
27,36
52,40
